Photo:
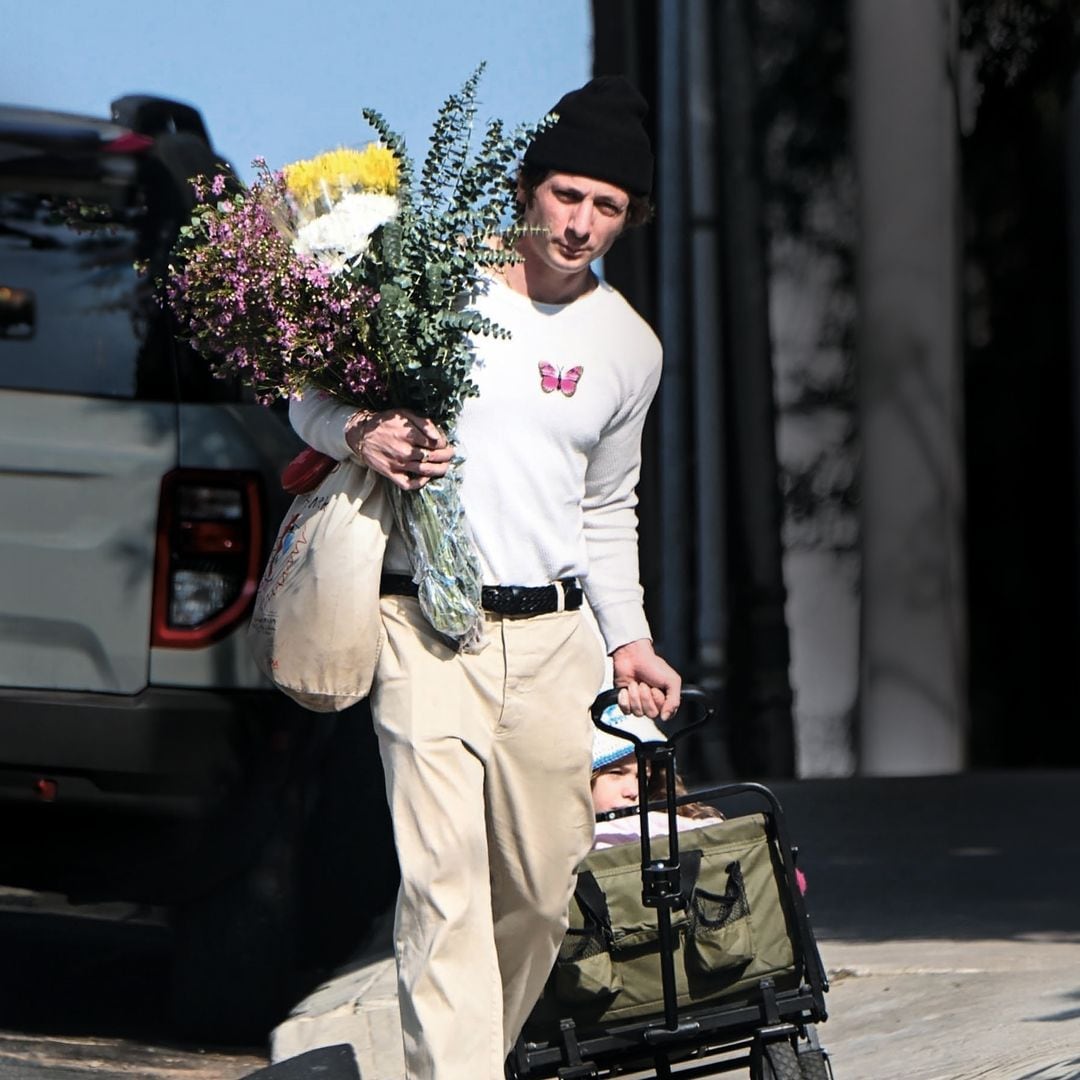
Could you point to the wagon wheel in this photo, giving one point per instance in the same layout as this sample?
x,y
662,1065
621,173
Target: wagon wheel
x,y
774,1060
814,1064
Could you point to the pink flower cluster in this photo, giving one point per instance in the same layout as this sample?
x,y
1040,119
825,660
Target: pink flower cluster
x,y
258,311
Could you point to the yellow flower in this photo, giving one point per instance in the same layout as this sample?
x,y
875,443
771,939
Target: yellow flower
x,y
336,172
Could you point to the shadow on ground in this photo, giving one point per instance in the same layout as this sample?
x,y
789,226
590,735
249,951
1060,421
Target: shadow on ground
x,y
978,855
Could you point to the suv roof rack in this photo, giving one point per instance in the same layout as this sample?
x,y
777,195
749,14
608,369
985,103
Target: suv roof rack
x,y
151,115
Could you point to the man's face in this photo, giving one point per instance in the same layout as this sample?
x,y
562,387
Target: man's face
x,y
581,219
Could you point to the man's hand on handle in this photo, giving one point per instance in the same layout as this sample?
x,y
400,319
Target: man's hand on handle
x,y
648,685
406,448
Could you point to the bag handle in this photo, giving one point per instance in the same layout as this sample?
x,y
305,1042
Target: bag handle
x,y
689,869
593,903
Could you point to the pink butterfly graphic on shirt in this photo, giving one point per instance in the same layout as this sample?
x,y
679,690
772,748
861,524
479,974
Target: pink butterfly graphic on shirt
x,y
553,378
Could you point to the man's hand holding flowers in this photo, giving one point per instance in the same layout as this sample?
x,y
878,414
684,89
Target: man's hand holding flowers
x,y
407,449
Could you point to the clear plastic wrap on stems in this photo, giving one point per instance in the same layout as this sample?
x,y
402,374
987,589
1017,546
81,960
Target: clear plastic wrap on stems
x,y
445,567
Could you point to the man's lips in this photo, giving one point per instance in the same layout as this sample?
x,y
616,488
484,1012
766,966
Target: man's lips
x,y
569,251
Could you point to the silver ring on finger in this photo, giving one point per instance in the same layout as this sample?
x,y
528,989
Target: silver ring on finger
x,y
423,454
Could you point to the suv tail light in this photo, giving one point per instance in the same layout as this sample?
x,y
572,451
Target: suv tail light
x,y
209,555
131,142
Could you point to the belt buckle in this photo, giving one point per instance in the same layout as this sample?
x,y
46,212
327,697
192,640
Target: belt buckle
x,y
573,593
568,592
560,595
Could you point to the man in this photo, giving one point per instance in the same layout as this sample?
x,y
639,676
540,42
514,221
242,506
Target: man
x,y
488,755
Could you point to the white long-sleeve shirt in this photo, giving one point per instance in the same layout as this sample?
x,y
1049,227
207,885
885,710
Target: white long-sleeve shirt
x,y
549,478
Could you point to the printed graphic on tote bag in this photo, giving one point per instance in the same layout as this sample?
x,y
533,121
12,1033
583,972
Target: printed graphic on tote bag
x,y
289,549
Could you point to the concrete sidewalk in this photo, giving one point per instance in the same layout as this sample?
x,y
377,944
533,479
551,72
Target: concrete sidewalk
x,y
944,1010
947,911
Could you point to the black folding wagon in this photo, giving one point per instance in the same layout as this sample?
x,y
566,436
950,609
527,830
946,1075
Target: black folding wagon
x,y
697,963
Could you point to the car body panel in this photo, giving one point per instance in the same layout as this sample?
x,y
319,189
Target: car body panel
x,y
79,480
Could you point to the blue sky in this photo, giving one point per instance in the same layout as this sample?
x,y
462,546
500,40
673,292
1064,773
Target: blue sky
x,y
287,80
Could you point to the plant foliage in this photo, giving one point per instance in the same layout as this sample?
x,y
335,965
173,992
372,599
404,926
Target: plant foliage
x,y
450,228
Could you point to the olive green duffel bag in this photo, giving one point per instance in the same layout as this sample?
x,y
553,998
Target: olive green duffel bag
x,y
733,932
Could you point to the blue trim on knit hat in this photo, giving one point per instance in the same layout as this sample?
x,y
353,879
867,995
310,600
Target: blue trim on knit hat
x,y
608,748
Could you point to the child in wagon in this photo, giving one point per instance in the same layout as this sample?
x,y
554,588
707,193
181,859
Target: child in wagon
x,y
615,785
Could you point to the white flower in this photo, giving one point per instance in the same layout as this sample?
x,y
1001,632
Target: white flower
x,y
335,238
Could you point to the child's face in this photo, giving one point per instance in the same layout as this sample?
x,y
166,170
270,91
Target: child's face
x,y
615,785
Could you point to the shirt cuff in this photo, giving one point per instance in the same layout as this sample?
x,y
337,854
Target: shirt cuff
x,y
622,623
320,422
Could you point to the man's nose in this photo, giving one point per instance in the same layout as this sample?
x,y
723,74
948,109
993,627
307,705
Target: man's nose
x,y
581,219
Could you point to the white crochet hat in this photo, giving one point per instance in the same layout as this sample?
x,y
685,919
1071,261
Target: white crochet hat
x,y
607,748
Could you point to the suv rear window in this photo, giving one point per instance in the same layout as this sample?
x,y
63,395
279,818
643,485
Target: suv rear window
x,y
75,317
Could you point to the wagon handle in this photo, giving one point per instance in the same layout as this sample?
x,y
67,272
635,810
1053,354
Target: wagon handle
x,y
693,694
661,879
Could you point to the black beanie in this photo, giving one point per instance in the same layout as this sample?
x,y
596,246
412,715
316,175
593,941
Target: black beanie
x,y
600,133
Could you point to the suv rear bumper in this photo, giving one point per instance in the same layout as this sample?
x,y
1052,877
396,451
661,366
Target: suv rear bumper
x,y
166,750
157,798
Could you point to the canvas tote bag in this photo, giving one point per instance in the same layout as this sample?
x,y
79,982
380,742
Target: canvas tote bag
x,y
315,630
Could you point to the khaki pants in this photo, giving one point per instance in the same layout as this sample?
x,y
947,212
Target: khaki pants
x,y
487,760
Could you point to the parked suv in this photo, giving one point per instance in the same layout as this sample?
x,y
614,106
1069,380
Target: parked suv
x,y
142,756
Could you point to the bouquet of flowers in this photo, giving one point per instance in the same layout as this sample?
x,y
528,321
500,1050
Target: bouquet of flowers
x,y
346,274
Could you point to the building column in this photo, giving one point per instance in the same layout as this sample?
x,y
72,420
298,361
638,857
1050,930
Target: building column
x,y
913,713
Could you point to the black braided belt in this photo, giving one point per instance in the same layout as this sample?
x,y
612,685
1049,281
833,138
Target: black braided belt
x,y
504,599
